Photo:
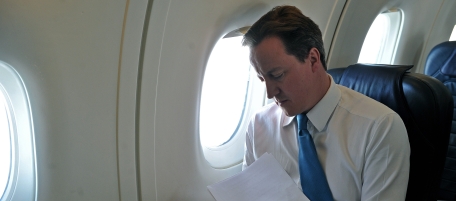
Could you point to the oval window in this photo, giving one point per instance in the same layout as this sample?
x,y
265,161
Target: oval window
x,y
17,146
224,91
5,143
382,38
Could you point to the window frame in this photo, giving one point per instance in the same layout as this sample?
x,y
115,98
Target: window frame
x,y
231,152
453,34
5,103
387,52
217,83
22,182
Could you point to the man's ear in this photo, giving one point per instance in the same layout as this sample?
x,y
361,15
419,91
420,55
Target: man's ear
x,y
314,57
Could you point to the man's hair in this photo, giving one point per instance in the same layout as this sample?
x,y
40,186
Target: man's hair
x,y
297,32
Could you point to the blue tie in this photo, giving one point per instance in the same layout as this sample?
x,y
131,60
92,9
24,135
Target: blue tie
x,y
313,179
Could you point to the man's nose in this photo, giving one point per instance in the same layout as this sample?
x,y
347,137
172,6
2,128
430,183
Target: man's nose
x,y
271,89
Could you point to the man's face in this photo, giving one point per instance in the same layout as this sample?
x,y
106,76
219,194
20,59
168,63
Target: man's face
x,y
289,81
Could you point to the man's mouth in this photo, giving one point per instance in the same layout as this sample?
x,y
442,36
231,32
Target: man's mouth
x,y
280,102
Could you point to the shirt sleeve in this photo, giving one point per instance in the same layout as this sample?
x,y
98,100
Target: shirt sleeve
x,y
248,148
387,161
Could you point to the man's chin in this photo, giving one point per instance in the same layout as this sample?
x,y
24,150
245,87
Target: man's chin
x,y
289,113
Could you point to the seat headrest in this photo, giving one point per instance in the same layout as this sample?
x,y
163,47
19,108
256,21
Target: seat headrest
x,y
379,82
442,58
425,106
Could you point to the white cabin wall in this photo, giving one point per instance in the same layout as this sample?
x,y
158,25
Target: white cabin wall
x,y
130,66
115,86
351,31
440,32
180,38
419,19
425,24
67,53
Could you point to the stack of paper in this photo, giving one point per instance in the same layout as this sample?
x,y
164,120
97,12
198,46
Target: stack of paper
x,y
263,180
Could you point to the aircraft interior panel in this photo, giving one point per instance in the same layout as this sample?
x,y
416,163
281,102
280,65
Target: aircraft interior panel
x,y
114,87
127,114
67,55
176,53
419,21
442,28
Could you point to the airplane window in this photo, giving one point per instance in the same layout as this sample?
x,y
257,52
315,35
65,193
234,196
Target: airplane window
x,y
381,40
231,94
453,34
17,146
5,141
372,45
224,92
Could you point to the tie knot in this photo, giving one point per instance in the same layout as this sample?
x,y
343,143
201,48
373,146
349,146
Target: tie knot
x,y
302,121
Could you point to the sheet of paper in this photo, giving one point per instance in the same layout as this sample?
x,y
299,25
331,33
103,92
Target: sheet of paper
x,y
263,180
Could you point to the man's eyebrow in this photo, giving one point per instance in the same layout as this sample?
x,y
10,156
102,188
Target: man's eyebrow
x,y
274,70
259,74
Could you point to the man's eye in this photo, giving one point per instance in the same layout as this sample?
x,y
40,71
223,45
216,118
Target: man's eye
x,y
276,76
261,78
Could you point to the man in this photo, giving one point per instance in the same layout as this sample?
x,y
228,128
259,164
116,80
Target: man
x,y
362,145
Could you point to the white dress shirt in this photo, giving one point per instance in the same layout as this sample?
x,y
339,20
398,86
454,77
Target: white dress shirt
x,y
362,145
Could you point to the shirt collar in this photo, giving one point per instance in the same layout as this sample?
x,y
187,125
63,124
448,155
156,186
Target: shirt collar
x,y
320,113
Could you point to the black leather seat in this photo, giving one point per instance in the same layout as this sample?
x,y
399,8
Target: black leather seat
x,y
441,64
424,104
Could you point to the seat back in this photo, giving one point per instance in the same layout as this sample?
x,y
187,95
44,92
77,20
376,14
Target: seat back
x,y
424,105
441,64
